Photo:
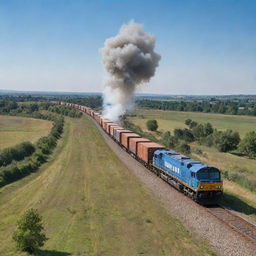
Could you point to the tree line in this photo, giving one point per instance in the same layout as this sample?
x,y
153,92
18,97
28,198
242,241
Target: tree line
x,y
206,106
32,109
65,110
30,160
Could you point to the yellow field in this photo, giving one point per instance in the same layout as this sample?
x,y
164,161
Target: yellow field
x,y
93,205
14,130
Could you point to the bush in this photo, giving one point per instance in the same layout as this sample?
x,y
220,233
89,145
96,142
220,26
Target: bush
x,y
16,153
184,148
226,141
169,141
248,144
29,234
152,125
240,179
184,134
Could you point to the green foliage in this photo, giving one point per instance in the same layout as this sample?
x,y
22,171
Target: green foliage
x,y
29,234
33,159
240,178
184,134
184,148
66,111
152,125
168,140
16,153
226,141
248,144
224,106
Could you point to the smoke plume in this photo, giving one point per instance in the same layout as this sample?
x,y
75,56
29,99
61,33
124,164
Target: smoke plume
x,y
129,60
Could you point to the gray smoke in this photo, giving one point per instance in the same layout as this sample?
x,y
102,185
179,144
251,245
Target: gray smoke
x,y
129,60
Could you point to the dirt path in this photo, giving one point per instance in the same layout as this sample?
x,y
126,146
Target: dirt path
x,y
195,217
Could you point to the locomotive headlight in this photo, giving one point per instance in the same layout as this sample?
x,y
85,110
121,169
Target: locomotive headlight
x,y
201,187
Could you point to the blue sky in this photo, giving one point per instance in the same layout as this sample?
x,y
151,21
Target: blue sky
x,y
207,46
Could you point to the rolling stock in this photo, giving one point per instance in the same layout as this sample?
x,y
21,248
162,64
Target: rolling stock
x,y
199,181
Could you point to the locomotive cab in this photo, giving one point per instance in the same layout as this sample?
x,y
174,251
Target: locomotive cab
x,y
209,184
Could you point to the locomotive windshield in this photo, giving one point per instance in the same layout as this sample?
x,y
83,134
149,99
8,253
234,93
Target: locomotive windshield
x,y
208,174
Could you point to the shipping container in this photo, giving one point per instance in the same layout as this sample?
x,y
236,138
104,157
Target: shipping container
x,y
104,123
125,138
109,125
118,132
133,144
146,150
113,128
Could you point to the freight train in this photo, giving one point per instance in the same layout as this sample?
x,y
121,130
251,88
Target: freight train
x,y
199,181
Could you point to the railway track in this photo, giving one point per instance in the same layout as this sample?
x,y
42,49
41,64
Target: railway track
x,y
237,223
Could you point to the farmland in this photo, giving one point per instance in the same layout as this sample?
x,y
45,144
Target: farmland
x,y
92,205
169,120
14,130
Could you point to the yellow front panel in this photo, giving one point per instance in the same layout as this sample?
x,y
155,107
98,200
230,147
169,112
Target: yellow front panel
x,y
209,186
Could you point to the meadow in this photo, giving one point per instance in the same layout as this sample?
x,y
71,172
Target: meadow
x,y
169,120
92,204
242,198
14,130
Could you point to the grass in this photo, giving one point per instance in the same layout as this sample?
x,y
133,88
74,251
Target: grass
x,y
242,166
92,205
169,120
14,130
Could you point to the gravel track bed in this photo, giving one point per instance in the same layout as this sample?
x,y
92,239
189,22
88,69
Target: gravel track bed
x,y
195,218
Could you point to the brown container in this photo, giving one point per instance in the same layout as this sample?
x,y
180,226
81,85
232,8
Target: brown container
x,y
109,125
113,128
118,133
104,123
146,150
133,144
126,137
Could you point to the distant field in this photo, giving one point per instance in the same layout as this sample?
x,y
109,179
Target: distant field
x,y
169,120
14,130
93,205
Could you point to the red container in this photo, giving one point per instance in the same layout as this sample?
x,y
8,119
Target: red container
x,y
108,125
133,144
146,150
104,123
126,137
113,128
118,133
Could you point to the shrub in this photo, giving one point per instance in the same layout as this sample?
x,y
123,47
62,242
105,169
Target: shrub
x,y
226,141
184,148
248,144
29,234
152,125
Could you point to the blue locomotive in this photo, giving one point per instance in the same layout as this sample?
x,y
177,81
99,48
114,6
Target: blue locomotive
x,y
199,181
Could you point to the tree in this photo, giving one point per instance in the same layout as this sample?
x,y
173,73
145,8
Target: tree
x,y
227,140
152,125
184,148
248,144
29,234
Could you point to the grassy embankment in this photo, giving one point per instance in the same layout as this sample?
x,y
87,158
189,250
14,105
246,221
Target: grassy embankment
x,y
241,198
14,130
92,205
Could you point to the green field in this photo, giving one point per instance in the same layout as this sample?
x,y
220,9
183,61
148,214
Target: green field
x,y
92,204
169,120
14,130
